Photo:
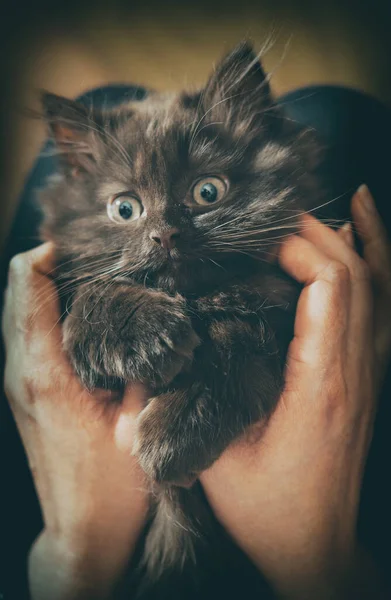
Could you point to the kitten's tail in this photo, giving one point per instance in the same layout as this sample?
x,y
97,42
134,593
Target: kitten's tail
x,y
182,521
183,531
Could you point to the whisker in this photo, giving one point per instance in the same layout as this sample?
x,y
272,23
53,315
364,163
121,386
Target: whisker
x,y
102,262
248,235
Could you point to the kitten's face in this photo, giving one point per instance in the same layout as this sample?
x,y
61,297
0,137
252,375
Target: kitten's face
x,y
179,191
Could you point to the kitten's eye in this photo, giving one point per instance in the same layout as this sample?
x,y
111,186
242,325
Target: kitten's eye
x,y
124,208
210,190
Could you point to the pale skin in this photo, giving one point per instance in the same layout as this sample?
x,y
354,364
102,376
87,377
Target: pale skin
x,y
289,498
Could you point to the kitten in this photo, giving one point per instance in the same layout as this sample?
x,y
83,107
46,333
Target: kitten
x,y
166,218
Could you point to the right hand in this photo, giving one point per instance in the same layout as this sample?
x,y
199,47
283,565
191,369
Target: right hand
x,y
91,489
289,494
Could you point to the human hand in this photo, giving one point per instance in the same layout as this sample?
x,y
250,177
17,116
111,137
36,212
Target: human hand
x,y
290,498
78,445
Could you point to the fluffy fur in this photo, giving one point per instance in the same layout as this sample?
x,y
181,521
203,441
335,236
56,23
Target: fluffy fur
x,y
205,324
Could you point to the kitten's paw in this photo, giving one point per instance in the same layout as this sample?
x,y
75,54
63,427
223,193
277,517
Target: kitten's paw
x,y
170,447
150,342
163,340
83,345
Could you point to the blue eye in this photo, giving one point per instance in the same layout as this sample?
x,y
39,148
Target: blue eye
x,y
210,190
124,208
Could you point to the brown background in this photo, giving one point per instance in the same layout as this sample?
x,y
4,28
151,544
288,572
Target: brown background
x,y
68,48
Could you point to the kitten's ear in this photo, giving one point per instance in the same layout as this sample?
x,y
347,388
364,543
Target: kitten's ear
x,y
71,128
238,91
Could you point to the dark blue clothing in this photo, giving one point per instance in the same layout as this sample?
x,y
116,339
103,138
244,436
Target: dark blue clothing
x,y
357,133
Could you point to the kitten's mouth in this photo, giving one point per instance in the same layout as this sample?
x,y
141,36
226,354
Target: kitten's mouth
x,y
172,254
169,261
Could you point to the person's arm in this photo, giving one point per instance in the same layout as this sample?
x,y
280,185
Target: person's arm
x,y
91,489
289,497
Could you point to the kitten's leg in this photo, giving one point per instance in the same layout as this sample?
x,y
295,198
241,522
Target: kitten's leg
x,y
128,333
173,440
182,432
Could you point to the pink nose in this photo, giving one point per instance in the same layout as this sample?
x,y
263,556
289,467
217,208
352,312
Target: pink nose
x,y
166,239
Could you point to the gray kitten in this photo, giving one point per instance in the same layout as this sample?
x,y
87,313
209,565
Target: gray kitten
x,y
166,220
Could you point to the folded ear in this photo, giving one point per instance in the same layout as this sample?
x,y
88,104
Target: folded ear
x,y
238,91
72,128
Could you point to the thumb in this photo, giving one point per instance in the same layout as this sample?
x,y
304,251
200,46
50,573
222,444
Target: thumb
x,y
133,401
135,398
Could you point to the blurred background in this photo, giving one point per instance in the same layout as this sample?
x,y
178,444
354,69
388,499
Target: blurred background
x,y
67,47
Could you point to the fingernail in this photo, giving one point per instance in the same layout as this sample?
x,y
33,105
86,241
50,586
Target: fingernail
x,y
346,231
366,199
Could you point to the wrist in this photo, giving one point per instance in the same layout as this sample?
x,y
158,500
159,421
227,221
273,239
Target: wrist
x,y
60,571
336,576
86,567
303,577
303,564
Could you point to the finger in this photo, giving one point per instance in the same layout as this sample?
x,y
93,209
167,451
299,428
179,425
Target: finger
x,y
306,262
43,259
377,253
329,242
34,295
322,311
334,245
134,400
377,247
346,234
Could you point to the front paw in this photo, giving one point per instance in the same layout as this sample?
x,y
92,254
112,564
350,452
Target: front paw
x,y
149,342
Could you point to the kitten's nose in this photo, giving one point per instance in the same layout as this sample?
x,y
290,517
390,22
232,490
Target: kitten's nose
x,y
166,239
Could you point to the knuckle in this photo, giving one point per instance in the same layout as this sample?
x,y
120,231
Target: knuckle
x,y
17,265
41,382
8,383
18,387
19,271
37,351
338,273
335,396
